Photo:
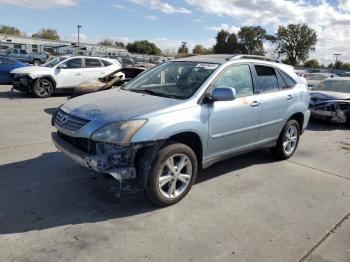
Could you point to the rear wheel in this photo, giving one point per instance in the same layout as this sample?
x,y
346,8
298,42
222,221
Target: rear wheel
x,y
42,88
288,140
173,174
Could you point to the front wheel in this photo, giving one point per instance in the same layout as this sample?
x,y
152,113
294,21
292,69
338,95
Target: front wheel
x,y
36,62
172,175
288,140
42,88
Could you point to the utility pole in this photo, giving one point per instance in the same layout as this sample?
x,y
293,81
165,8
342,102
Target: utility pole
x,y
79,26
336,60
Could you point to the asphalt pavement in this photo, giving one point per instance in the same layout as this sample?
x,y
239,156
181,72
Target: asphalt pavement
x,y
248,208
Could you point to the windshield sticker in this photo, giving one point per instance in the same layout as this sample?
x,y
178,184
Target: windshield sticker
x,y
207,66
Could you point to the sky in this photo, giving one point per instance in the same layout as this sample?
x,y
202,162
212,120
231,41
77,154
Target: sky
x,y
168,23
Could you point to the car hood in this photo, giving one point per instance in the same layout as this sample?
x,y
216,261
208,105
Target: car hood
x,y
118,105
329,95
31,70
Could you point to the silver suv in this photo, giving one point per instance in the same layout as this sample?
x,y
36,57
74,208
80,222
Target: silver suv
x,y
155,132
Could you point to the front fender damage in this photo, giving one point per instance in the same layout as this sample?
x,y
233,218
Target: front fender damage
x,y
129,165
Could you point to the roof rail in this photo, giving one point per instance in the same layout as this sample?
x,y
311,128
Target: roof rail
x,y
257,57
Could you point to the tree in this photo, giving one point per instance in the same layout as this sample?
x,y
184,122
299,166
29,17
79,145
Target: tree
x,y
295,42
226,43
143,47
313,63
106,42
338,65
47,33
183,49
251,39
201,50
119,44
9,30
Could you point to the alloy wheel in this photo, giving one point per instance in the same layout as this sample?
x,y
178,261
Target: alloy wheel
x,y
175,176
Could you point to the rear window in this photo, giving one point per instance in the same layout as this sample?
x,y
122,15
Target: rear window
x,y
106,63
342,86
267,78
91,63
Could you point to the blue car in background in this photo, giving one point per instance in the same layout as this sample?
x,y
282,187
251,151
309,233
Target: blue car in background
x,y
6,65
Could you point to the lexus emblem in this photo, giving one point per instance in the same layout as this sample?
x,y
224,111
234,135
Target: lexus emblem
x,y
64,119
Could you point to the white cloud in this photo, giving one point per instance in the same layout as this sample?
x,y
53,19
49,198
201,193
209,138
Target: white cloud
x,y
119,6
226,27
151,17
40,4
161,6
332,23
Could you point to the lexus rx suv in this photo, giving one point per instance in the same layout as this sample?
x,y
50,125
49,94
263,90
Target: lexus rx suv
x,y
158,130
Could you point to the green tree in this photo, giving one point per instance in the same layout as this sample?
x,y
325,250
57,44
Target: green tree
x,y
201,50
226,43
119,44
106,42
251,39
338,65
47,33
183,49
9,30
313,63
346,66
295,42
143,47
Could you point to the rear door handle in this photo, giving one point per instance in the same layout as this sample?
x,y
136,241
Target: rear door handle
x,y
254,104
78,74
289,97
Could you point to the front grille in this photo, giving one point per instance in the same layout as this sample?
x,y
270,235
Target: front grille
x,y
69,122
84,144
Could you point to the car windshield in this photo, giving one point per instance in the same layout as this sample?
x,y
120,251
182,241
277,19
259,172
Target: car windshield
x,y
342,86
316,77
173,79
55,61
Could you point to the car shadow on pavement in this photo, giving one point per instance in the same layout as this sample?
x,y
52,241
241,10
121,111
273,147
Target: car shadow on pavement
x,y
322,125
20,95
51,191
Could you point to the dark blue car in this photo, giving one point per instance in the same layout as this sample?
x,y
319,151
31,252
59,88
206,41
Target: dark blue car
x,y
6,65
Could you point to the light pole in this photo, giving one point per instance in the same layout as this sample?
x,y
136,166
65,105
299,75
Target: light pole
x,y
79,26
336,60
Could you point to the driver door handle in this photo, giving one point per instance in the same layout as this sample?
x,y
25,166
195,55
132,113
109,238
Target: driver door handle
x,y
254,104
78,74
289,97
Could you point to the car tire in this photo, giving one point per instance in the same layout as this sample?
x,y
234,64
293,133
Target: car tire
x,y
288,141
43,88
36,62
176,183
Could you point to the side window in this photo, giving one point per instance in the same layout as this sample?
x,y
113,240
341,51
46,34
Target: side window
x,y
23,52
91,63
73,63
15,51
266,78
288,80
106,63
238,77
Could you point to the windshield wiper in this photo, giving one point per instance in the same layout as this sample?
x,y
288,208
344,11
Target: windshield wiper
x,y
152,92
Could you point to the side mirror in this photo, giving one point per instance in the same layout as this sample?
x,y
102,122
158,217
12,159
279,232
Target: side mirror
x,y
224,94
63,66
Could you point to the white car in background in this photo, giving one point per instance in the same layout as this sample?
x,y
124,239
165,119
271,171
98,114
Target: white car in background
x,y
64,72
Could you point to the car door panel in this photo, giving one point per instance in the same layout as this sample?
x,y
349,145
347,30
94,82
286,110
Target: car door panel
x,y
71,76
234,125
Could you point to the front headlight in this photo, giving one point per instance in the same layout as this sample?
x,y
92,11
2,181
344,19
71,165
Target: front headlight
x,y
118,132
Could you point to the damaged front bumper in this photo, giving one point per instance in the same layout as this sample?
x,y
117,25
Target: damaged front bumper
x,y
114,161
22,83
